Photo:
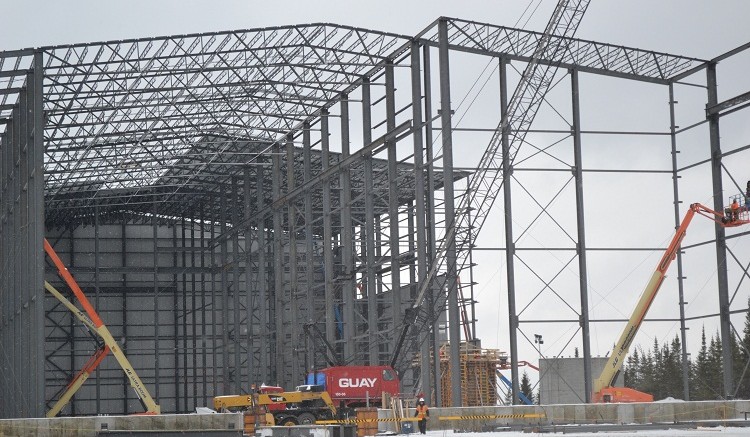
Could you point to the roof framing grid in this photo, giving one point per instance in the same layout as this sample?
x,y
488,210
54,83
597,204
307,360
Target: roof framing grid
x,y
133,118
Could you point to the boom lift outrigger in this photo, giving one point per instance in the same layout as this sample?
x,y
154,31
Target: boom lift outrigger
x,y
603,390
94,323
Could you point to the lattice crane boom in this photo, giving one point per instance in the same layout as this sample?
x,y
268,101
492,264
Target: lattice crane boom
x,y
484,185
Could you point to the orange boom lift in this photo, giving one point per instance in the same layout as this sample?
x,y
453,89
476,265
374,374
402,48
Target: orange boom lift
x,y
603,390
94,323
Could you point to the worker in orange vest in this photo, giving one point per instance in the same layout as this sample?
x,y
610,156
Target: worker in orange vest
x,y
735,210
422,413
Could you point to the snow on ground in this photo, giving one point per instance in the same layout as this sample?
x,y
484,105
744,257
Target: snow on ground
x,y
700,432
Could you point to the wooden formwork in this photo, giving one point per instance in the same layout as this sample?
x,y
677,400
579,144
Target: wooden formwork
x,y
478,375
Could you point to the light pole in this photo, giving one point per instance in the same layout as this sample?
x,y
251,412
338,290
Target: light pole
x,y
539,342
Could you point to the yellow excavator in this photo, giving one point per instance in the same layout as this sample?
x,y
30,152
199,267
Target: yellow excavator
x,y
733,216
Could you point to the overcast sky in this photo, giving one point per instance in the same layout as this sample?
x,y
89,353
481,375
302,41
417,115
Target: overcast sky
x,y
702,29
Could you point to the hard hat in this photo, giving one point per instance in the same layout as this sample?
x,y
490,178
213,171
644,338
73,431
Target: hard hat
x,y
421,399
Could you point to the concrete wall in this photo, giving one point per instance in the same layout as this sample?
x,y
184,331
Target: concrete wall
x,y
90,426
490,418
475,419
562,379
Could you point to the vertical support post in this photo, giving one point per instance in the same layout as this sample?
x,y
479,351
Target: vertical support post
x,y
36,228
97,255
246,188
264,339
327,233
450,218
393,225
293,279
175,319
430,222
124,284
236,273
371,282
348,289
677,219
204,345
278,269
157,351
581,246
225,378
721,245
509,243
309,246
214,335
420,202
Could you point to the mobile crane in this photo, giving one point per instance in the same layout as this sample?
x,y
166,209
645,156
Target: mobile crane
x,y
603,389
302,407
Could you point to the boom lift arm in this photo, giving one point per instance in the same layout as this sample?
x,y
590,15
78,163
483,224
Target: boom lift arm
x,y
617,358
92,321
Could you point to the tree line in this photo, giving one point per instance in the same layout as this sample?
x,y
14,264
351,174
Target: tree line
x,y
658,370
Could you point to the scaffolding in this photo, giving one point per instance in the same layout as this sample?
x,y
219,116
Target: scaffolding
x,y
478,375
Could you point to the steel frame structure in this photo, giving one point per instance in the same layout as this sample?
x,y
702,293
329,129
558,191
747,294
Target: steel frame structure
x,y
215,192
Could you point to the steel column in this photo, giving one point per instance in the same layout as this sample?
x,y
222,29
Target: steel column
x,y
509,243
721,246
450,218
393,225
420,202
36,229
157,351
310,316
430,223
371,278
581,246
249,289
236,271
278,271
677,219
348,283
293,279
224,250
330,317
264,339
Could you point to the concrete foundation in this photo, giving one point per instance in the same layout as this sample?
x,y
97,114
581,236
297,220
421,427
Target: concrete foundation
x,y
480,419
213,424
476,419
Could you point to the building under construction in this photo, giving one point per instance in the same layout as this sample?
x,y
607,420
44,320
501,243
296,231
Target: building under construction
x,y
214,194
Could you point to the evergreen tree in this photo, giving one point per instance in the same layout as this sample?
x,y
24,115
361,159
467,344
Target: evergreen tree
x,y
632,371
672,371
742,368
700,385
675,369
716,374
526,387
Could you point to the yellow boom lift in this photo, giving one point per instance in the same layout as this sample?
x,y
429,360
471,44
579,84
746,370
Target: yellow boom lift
x,y
603,389
93,322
